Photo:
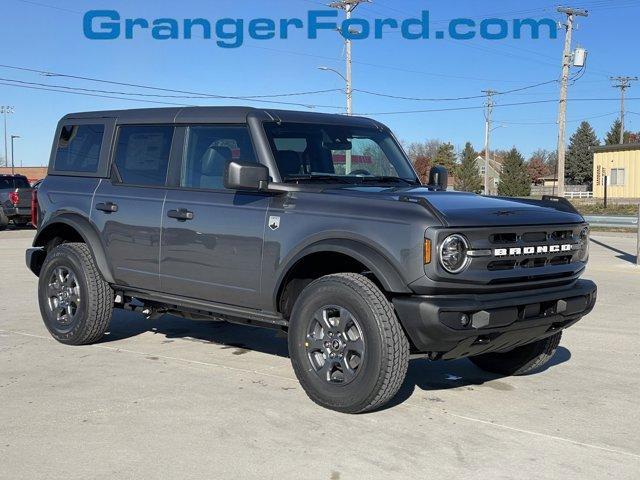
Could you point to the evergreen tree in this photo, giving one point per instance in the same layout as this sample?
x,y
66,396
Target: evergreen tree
x,y
514,179
446,157
613,135
579,165
467,178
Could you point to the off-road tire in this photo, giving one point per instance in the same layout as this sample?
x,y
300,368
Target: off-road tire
x,y
521,360
386,355
96,297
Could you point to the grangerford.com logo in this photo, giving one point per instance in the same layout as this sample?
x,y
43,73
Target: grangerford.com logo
x,y
231,32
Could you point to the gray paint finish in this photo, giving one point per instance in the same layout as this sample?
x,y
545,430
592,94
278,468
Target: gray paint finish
x,y
228,255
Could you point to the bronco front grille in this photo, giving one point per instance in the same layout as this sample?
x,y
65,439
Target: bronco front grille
x,y
513,248
501,256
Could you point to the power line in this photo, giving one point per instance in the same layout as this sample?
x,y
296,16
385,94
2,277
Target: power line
x,y
480,107
149,87
453,99
555,123
136,94
156,102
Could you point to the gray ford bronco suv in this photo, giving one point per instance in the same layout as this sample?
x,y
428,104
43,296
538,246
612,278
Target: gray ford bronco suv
x,y
311,223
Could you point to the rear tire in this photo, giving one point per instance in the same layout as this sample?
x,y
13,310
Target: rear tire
x,y
521,360
346,345
75,301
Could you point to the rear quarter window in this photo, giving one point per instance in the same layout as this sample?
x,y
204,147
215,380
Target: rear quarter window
x,y
79,148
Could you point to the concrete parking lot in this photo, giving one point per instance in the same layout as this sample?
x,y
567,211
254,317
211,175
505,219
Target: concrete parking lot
x,y
177,399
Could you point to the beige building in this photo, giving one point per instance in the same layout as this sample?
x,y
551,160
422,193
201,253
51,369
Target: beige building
x,y
620,164
495,168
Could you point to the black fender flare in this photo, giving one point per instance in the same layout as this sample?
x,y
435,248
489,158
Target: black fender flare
x,y
88,233
374,261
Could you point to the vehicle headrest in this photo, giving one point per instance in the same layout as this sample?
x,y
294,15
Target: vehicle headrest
x,y
214,160
289,163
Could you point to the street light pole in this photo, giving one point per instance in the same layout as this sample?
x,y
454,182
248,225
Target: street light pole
x,y
5,110
13,137
487,132
348,157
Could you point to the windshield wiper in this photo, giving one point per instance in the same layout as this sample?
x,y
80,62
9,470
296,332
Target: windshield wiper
x,y
382,179
314,176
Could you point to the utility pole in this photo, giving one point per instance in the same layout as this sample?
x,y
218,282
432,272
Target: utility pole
x,y
488,123
348,6
564,86
6,110
623,83
13,137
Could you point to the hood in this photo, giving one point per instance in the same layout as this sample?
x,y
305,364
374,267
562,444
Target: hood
x,y
459,209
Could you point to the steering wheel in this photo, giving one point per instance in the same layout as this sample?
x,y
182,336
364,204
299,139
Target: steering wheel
x,y
360,172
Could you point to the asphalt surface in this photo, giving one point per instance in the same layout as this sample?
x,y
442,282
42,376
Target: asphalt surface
x,y
177,399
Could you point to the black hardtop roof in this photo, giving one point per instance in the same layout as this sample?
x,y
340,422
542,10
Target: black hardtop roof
x,y
12,175
220,115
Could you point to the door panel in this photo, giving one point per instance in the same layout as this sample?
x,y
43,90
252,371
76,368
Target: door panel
x,y
216,254
130,227
128,207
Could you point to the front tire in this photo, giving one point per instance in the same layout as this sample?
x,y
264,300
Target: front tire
x,y
75,301
521,360
346,345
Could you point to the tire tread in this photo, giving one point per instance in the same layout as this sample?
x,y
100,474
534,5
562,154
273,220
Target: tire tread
x,y
99,295
393,340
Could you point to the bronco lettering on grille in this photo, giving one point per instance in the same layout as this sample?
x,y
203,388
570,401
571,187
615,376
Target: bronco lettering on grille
x,y
537,250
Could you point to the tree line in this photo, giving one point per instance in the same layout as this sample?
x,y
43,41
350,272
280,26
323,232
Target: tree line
x,y
517,174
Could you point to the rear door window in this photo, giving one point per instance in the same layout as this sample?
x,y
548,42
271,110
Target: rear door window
x,y
79,148
142,154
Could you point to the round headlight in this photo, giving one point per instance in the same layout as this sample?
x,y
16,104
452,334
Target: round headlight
x,y
453,253
584,241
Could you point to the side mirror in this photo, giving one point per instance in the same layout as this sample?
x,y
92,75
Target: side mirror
x,y
246,176
438,178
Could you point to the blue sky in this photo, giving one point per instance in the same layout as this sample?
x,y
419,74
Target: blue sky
x,y
47,35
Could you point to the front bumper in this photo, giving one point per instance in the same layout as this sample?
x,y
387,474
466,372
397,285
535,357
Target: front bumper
x,y
455,326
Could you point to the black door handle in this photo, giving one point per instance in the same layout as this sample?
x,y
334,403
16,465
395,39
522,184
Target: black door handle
x,y
107,207
182,215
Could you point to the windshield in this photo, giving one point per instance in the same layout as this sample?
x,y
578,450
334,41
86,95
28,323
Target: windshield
x,y
306,151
